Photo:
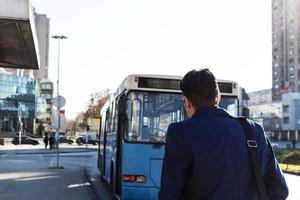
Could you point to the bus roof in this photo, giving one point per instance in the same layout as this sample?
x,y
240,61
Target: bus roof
x,y
167,83
164,83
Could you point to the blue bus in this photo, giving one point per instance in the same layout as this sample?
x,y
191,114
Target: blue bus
x,y
133,127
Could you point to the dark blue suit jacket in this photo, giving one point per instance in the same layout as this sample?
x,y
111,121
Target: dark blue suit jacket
x,y
206,157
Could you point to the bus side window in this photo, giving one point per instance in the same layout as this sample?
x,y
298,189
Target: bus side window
x,y
115,120
107,121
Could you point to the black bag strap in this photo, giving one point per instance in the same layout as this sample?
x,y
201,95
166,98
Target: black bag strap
x,y
252,147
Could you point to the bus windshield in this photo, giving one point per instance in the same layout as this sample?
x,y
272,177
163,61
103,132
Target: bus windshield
x,y
149,114
229,103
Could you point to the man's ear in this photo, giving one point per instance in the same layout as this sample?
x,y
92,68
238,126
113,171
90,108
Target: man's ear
x,y
188,103
218,99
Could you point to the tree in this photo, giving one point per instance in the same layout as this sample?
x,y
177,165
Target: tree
x,y
71,125
96,102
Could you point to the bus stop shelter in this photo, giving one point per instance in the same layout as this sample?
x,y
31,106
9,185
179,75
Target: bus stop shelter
x,y
18,36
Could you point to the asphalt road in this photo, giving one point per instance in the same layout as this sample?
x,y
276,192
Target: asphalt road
x,y
31,177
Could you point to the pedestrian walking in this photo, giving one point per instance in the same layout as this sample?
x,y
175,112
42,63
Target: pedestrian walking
x,y
206,156
46,140
294,142
51,141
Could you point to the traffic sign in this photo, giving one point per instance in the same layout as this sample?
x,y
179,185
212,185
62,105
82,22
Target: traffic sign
x,y
59,101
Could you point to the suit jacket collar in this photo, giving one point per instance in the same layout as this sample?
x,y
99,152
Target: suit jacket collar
x,y
210,110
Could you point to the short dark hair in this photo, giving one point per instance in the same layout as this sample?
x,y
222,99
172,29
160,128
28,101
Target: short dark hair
x,y
200,87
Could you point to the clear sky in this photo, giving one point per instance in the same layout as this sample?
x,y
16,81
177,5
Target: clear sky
x,y
109,39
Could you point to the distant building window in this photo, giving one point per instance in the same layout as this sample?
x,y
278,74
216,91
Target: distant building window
x,y
291,60
292,68
285,108
47,96
47,86
276,64
276,86
292,76
286,120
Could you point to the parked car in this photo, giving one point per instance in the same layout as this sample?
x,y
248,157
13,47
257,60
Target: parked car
x,y
64,139
24,140
82,140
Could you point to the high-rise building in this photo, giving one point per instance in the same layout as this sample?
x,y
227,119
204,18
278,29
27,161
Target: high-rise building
x,y
285,47
47,94
41,75
43,31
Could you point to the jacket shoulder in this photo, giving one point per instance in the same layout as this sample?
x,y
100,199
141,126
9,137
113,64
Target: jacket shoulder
x,y
177,126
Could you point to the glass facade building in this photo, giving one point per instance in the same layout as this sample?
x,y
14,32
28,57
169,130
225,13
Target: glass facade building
x,y
17,100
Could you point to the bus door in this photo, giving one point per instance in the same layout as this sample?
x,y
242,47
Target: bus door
x,y
148,117
102,145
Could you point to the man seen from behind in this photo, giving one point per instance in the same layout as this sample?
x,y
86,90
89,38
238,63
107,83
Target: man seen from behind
x,y
206,156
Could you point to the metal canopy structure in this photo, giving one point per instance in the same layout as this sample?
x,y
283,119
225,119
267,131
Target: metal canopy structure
x,y
18,37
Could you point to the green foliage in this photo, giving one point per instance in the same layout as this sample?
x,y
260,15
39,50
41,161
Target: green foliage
x,y
288,156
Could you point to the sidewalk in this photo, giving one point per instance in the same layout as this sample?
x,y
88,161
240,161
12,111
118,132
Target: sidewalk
x,y
91,173
32,177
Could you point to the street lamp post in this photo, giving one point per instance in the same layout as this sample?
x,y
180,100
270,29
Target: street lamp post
x,y
58,37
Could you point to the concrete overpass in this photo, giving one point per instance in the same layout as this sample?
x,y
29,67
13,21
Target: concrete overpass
x,y
18,37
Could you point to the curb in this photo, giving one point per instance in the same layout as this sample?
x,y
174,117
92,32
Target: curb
x,y
92,183
99,187
291,172
48,152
